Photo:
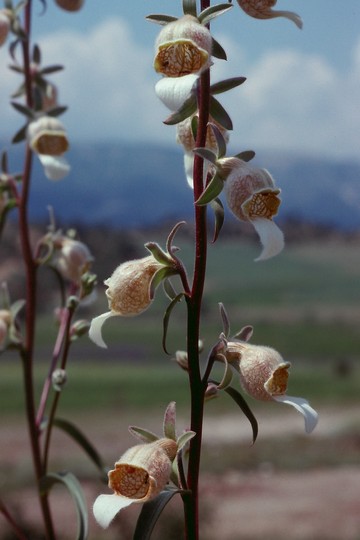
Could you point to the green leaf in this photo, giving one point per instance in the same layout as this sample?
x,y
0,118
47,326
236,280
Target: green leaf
x,y
187,109
150,513
226,84
217,50
207,154
245,333
36,55
169,426
227,377
169,289
225,320
166,318
158,253
189,7
56,111
240,401
220,140
247,155
194,126
171,236
211,12
51,69
160,19
74,488
219,213
212,190
185,438
219,114
23,109
74,432
4,162
158,277
20,135
144,435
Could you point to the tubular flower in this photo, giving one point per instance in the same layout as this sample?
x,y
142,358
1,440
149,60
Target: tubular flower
x,y
5,24
47,137
139,476
73,258
264,375
128,292
261,9
252,196
184,136
183,47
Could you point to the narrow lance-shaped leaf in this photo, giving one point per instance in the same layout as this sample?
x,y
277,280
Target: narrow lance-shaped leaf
x,y
219,114
144,435
166,319
227,84
246,155
169,289
184,438
74,488
225,320
227,377
240,401
20,135
220,140
23,109
158,253
150,513
158,277
169,426
245,333
187,109
189,7
74,432
159,18
51,69
219,214
212,190
208,14
56,111
217,50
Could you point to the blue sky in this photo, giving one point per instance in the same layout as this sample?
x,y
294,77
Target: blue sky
x,y
302,92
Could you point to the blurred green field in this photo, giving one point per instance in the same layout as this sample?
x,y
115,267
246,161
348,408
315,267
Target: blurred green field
x,y
305,303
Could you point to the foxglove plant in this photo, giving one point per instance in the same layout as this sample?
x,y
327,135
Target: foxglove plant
x,y
184,54
160,467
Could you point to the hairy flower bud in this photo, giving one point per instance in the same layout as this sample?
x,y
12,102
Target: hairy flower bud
x,y
70,5
183,47
264,376
139,475
47,136
252,196
73,258
261,9
5,24
128,292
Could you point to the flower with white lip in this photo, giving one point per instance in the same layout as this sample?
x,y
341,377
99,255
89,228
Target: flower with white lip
x,y
183,47
139,476
128,292
264,375
252,196
47,138
261,9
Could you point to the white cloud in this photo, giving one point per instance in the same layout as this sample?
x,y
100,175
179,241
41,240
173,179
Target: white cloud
x,y
291,100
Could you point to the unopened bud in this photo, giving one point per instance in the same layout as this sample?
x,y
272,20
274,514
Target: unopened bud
x,y
59,379
5,23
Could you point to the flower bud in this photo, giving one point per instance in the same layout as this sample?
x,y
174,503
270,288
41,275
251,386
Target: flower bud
x,y
70,5
59,379
139,475
183,47
47,136
261,9
73,258
5,24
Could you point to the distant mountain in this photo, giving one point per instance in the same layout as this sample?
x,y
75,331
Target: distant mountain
x,y
123,185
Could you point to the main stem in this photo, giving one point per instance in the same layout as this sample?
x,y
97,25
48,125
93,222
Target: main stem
x,y
197,386
27,352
